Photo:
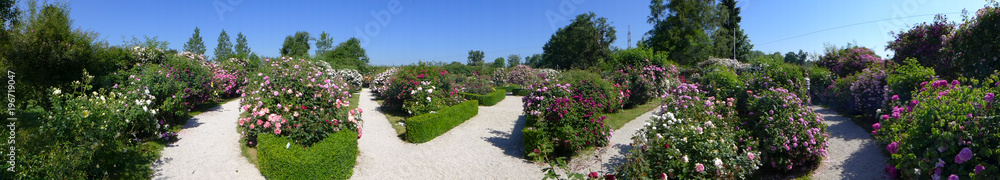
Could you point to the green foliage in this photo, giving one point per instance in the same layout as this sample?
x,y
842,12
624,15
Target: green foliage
x,y
242,48
195,44
347,54
324,43
332,158
534,60
513,60
947,128
974,44
798,59
459,68
476,58
729,31
721,81
583,44
426,127
488,99
8,13
791,135
534,141
225,47
296,46
681,28
521,92
498,63
636,57
906,79
820,79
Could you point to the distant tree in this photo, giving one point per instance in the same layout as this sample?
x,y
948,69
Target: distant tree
x,y
8,14
324,43
584,43
348,54
148,42
682,27
729,31
533,60
476,58
296,46
498,63
242,48
513,60
803,56
195,44
225,47
791,58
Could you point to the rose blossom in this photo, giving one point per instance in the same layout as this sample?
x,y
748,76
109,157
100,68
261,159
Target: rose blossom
x,y
699,167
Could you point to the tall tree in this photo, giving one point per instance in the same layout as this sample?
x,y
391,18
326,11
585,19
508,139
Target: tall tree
x,y
296,46
324,43
476,58
225,47
682,28
513,60
195,44
729,34
802,56
242,48
791,58
533,60
584,43
498,63
348,53
8,14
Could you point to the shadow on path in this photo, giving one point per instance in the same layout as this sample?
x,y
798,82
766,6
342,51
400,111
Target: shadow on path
x,y
511,142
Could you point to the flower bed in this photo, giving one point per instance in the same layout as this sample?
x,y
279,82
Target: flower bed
x,y
567,113
643,82
419,89
790,134
692,137
947,129
426,127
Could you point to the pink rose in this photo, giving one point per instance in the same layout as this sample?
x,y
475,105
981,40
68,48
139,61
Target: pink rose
x,y
592,174
699,167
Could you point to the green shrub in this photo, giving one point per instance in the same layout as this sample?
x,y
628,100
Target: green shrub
x,y
819,80
428,126
790,134
721,81
331,158
488,99
907,78
510,88
521,92
533,140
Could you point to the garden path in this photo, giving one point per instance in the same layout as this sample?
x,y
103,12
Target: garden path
x,y
852,152
606,159
207,148
488,146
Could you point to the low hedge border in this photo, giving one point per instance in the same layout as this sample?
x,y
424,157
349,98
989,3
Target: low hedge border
x,y
426,127
521,92
489,99
509,88
332,158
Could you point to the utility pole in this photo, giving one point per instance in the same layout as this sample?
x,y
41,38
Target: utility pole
x,y
629,36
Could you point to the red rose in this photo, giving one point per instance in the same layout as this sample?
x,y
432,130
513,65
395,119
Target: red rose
x,y
593,175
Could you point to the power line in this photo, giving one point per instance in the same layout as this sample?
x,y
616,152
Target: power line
x,y
855,24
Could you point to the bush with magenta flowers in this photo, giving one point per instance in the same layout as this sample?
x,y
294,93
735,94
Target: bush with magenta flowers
x,y
869,92
419,89
692,137
567,113
791,135
907,78
850,60
974,44
948,128
924,42
643,82
292,98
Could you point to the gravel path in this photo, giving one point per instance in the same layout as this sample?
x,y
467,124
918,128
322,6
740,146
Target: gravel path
x,y
852,153
606,159
488,146
208,148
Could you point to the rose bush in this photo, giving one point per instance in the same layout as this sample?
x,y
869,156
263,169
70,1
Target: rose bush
x,y
946,129
973,45
924,43
566,113
791,135
848,61
691,137
644,82
290,97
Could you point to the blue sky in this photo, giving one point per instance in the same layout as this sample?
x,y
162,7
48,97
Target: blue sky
x,y
405,31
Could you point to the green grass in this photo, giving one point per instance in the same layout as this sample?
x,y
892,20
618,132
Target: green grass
x,y
354,100
619,119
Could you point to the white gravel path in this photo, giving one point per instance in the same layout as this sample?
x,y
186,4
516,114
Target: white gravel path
x,y
852,153
606,159
488,146
208,148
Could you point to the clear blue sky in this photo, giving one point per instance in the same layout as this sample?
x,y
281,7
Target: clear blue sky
x,y
447,30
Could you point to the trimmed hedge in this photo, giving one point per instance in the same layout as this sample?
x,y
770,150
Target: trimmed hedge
x,y
533,139
521,92
489,99
331,158
509,88
426,127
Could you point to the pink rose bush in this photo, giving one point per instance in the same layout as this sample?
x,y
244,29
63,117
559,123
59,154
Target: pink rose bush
x,y
566,114
850,60
947,128
691,136
790,134
419,89
290,97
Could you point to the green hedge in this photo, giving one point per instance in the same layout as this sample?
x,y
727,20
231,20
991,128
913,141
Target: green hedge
x,y
521,92
488,99
332,158
533,139
428,126
509,88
